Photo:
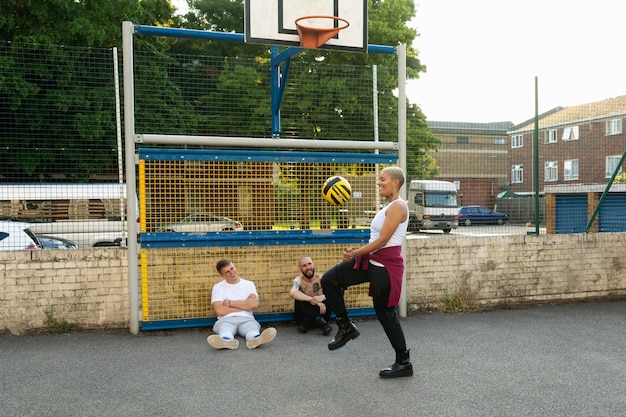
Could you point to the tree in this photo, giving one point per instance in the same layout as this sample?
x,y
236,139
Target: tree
x,y
67,92
420,140
241,82
78,22
217,16
57,103
620,179
322,105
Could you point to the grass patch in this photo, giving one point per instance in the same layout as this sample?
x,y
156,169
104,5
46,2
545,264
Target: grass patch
x,y
461,300
56,326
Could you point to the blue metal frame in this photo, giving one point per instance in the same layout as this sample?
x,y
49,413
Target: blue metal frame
x,y
154,240
261,318
257,238
278,81
150,154
162,240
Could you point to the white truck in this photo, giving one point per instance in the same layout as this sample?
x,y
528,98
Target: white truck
x,y
433,205
90,215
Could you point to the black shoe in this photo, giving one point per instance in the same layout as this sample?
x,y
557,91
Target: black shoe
x,y
347,331
402,367
302,328
324,326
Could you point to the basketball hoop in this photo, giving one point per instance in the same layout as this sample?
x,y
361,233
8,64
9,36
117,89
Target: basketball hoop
x,y
314,37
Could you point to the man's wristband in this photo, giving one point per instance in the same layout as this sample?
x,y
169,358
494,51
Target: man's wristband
x,y
229,301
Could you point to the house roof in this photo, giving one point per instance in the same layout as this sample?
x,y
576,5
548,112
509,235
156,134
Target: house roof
x,y
581,113
470,127
583,188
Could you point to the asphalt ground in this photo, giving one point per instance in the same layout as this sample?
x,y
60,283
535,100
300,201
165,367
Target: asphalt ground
x,y
539,360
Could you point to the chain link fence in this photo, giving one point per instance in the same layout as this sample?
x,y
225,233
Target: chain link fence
x,y
61,127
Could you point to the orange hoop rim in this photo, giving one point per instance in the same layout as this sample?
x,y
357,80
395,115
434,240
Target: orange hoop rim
x,y
312,28
314,37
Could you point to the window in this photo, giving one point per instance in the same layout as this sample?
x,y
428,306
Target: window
x,y
462,139
570,133
613,127
551,171
550,136
611,164
570,169
498,141
517,174
440,199
517,141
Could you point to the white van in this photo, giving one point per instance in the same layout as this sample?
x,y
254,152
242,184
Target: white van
x,y
433,205
91,215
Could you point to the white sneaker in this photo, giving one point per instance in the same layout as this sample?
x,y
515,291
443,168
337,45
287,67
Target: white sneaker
x,y
218,342
267,336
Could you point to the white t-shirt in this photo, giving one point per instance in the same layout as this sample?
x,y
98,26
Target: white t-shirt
x,y
239,291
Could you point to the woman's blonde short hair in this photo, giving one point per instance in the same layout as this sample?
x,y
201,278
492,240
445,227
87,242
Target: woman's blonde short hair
x,y
396,173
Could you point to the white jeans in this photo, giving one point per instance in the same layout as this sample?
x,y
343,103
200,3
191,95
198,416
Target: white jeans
x,y
246,327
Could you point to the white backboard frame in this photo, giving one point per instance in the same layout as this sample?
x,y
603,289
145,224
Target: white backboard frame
x,y
272,22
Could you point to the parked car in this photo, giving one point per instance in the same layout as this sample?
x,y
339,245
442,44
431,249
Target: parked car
x,y
203,222
100,221
51,242
17,236
480,215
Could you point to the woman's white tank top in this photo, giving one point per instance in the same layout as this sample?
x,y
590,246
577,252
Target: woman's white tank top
x,y
378,221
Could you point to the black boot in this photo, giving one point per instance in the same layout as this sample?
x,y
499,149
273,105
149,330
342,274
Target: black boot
x,y
402,367
323,325
346,332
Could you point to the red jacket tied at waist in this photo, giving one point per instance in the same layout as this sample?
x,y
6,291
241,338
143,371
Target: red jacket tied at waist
x,y
391,258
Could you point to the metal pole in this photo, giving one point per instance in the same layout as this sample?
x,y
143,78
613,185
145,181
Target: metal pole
x,y
375,98
402,152
131,181
260,142
376,133
536,147
596,210
118,128
231,37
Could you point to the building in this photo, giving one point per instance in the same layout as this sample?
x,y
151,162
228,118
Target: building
x,y
577,145
473,156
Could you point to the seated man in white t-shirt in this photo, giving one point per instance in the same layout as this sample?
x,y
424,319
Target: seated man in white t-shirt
x,y
234,299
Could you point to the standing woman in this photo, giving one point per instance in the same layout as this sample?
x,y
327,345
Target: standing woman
x,y
381,264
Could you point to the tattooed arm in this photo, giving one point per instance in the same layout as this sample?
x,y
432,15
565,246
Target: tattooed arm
x,y
297,293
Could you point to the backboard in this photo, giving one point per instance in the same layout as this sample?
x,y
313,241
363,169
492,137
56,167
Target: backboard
x,y
272,22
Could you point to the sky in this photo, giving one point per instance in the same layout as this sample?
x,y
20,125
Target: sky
x,y
483,56
181,6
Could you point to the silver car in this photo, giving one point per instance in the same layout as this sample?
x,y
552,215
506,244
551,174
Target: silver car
x,y
203,222
51,242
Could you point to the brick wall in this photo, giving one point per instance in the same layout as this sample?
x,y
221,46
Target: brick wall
x,y
90,287
513,269
87,287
